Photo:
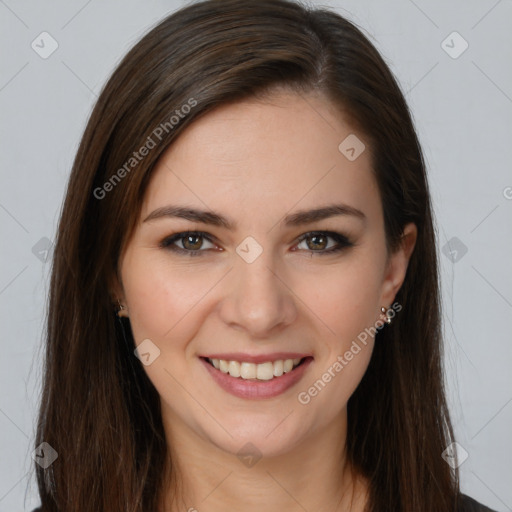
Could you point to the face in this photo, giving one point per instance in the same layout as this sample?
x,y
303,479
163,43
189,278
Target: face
x,y
260,250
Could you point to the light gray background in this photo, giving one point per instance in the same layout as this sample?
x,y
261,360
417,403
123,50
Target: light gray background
x,y
463,113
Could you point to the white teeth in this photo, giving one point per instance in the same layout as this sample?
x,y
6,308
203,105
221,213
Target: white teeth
x,y
278,368
234,368
247,371
265,371
223,366
288,365
262,371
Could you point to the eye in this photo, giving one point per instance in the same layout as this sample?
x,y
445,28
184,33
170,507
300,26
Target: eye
x,y
188,242
192,243
318,241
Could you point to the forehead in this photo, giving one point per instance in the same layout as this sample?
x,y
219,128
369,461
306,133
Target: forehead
x,y
262,158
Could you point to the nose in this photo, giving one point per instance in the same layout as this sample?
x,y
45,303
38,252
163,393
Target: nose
x,y
259,302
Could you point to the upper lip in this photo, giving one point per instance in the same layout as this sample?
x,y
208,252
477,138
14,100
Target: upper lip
x,y
257,358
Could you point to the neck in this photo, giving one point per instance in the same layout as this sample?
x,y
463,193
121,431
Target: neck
x,y
314,475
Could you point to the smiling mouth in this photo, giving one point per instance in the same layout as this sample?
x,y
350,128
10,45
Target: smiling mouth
x,y
260,372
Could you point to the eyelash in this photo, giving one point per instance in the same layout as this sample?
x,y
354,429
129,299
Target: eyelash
x,y
341,240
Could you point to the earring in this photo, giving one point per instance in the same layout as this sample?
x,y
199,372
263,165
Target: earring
x,y
388,317
120,309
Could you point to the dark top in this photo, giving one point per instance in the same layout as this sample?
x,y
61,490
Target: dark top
x,y
468,505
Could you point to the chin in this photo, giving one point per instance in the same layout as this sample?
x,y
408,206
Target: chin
x,y
259,438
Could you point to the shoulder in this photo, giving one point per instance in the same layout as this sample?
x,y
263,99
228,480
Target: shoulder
x,y
468,504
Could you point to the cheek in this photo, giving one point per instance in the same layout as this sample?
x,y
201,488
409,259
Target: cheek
x,y
344,352
330,390
164,299
345,297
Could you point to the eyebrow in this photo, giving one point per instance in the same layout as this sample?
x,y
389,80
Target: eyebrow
x,y
216,219
192,214
308,216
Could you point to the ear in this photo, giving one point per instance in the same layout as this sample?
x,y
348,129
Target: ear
x,y
115,287
397,265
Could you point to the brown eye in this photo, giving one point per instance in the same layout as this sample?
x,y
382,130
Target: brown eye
x,y
189,242
316,242
324,242
192,242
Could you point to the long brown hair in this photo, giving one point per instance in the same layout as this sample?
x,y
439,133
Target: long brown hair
x,y
99,410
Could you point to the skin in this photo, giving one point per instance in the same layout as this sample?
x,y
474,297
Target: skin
x,y
255,162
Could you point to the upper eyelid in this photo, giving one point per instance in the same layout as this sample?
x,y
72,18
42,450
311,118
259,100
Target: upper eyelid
x,y
339,238
323,232
171,239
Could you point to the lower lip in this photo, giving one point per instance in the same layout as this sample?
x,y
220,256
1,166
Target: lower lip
x,y
257,389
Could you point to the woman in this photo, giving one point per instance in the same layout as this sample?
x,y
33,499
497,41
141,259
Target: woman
x,y
200,355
